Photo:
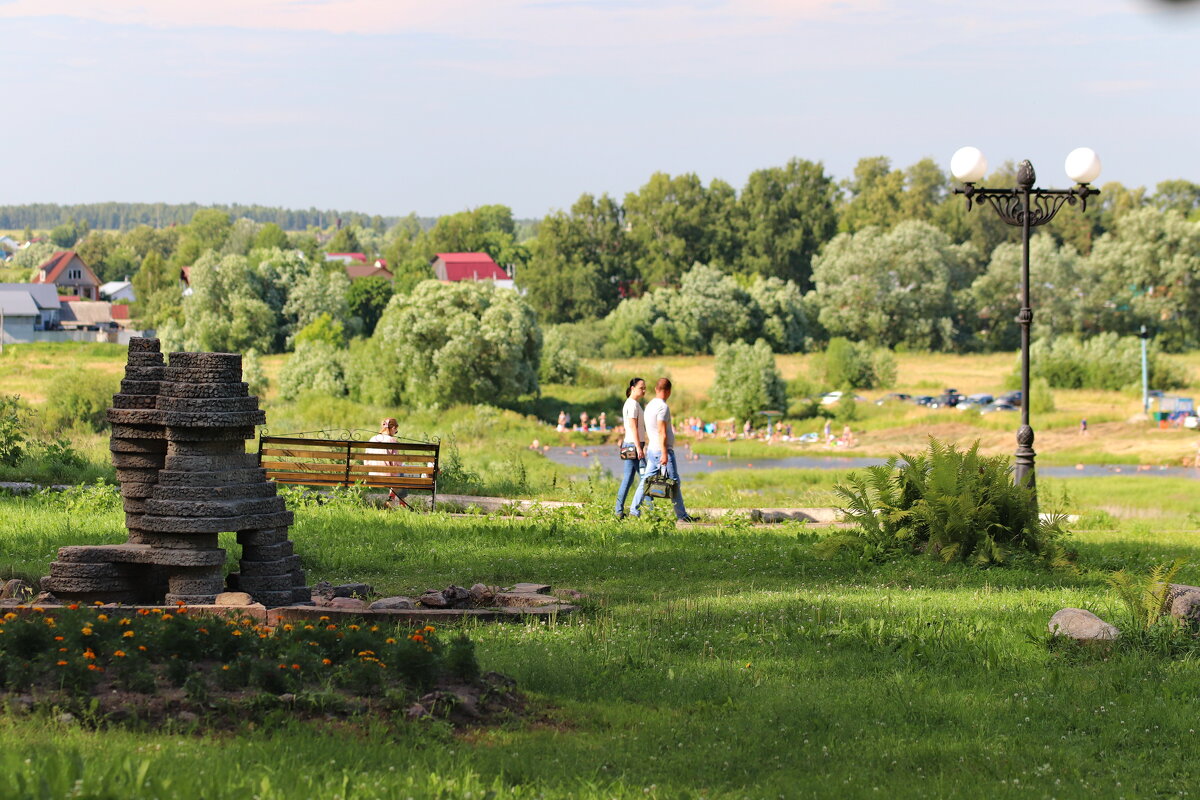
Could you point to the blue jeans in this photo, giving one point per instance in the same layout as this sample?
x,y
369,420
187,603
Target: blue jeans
x,y
655,467
632,467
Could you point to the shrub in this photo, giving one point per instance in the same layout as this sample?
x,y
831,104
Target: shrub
x,y
949,504
1145,597
315,366
851,365
252,373
560,362
747,379
79,398
323,329
1105,361
14,421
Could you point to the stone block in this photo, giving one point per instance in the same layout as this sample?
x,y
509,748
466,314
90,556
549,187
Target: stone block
x,y
211,463
215,508
196,375
148,359
133,373
207,419
201,360
232,492
524,600
134,416
348,603
233,599
102,569
262,538
146,446
61,586
133,505
182,584
174,541
137,490
143,344
137,475
256,584
159,524
152,461
530,588
229,477
121,431
270,552
280,566
140,387
276,599
228,389
190,599
207,405
210,433
142,554
134,401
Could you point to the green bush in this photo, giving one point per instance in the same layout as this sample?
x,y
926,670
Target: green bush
x,y
252,373
14,430
323,329
946,503
854,365
315,366
747,380
79,398
560,361
1105,361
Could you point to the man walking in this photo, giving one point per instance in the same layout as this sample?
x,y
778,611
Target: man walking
x,y
660,452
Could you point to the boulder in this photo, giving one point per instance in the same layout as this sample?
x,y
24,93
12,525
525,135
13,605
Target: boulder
x,y
1081,626
392,604
433,599
1186,606
481,594
524,600
233,599
456,596
348,603
16,589
530,588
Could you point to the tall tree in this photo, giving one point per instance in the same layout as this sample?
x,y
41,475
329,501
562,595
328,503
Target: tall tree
x,y
673,223
787,213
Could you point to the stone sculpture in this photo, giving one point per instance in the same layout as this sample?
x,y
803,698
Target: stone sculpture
x,y
178,444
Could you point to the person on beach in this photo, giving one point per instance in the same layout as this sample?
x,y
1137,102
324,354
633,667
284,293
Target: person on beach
x,y
660,450
635,436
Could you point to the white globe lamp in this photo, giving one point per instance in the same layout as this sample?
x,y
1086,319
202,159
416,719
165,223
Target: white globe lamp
x,y
968,165
1083,165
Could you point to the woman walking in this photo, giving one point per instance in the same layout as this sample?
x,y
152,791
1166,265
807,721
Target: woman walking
x,y
633,447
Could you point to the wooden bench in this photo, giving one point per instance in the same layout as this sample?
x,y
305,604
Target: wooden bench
x,y
407,465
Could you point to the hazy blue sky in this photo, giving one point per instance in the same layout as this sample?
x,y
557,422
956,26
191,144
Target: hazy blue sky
x,y
388,106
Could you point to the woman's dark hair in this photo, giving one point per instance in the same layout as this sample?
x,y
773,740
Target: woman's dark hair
x,y
632,384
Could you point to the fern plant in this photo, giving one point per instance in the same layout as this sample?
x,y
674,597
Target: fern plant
x,y
950,504
1145,597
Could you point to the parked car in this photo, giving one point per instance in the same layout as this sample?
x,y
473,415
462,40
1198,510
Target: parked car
x,y
923,399
893,397
833,398
974,401
1012,398
998,406
947,399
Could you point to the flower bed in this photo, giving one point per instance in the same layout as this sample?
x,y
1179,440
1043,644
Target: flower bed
x,y
209,662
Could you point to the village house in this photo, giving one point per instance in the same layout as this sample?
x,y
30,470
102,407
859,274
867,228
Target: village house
x,y
455,267
114,291
18,317
44,297
67,271
355,270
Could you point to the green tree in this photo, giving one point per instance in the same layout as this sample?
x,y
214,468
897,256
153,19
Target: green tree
x,y
270,236
315,366
875,196
673,223
344,241
323,328
460,343
908,286
784,320
224,312
560,362
577,262
315,292
747,380
1145,273
156,291
846,365
253,373
1054,285
367,298
209,228
786,214
1179,195
68,233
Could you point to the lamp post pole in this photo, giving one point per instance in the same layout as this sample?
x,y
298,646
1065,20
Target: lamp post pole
x,y
1027,207
1145,373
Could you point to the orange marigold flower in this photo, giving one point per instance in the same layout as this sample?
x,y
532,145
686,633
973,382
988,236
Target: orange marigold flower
x,y
86,631
331,627
287,627
95,668
58,638
74,606
323,619
128,634
236,633
62,649
61,663
142,647
374,628
119,653
295,666
98,603
225,667
10,615
167,617
283,666
429,629
389,640
180,603
156,611
102,617
416,637
353,627
89,654
202,630
309,628
143,612
124,621
326,661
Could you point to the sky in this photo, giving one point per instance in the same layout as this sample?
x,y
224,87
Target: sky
x,y
435,106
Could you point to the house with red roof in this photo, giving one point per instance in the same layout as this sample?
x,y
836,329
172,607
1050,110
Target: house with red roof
x,y
355,270
347,258
454,267
70,275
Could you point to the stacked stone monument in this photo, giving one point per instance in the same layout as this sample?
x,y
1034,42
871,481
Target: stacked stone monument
x,y
178,444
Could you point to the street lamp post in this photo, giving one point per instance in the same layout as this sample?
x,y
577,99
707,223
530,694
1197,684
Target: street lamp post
x,y
1144,334
1026,207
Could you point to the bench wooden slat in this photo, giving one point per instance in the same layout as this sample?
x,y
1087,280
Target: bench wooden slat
x,y
310,479
419,447
355,469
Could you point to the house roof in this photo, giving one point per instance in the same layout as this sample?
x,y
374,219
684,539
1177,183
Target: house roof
x,y
471,266
45,296
356,271
114,286
54,266
355,256
120,312
87,312
68,298
18,304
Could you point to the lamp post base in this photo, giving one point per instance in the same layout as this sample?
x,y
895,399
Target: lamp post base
x,y
1023,471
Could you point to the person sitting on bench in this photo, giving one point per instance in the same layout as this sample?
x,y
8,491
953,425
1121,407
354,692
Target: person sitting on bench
x,y
387,435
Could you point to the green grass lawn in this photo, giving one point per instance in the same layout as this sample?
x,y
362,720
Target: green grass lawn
x,y
716,663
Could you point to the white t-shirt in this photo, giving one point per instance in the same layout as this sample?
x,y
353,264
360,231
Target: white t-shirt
x,y
634,409
657,411
382,438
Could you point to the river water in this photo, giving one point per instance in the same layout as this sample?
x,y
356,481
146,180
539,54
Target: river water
x,y
607,455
